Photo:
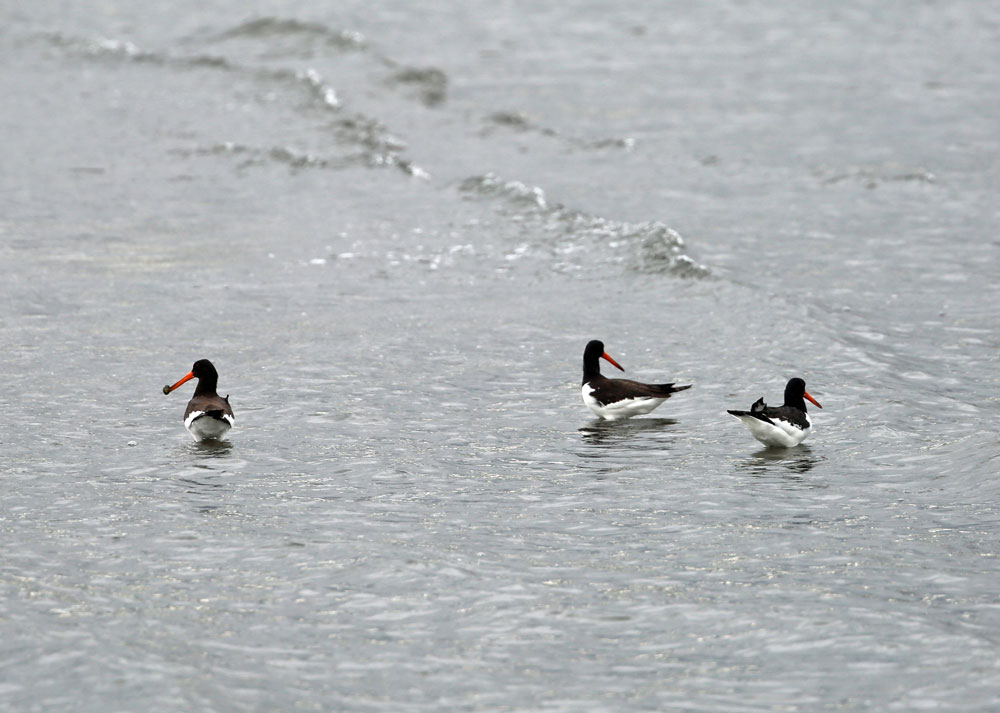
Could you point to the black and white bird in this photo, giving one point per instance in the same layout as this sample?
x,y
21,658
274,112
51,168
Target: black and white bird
x,y
782,426
208,415
614,399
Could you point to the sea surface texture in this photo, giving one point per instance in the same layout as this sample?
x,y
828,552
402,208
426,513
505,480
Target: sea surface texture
x,y
393,227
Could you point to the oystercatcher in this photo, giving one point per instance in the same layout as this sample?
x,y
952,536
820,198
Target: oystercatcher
x,y
780,426
208,415
613,399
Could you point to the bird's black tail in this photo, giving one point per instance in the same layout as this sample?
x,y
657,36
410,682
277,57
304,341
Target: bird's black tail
x,y
667,389
756,410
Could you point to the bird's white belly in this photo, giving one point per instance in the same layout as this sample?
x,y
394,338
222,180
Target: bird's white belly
x,y
207,427
780,434
626,408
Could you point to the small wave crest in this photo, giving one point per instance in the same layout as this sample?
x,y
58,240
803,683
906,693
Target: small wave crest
x,y
429,83
265,27
125,50
513,193
520,122
874,176
296,160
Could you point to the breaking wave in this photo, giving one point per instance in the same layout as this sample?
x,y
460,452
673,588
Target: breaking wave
x,y
577,239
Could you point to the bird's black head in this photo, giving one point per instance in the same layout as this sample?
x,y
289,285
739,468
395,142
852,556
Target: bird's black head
x,y
591,356
208,377
795,394
203,369
204,372
795,386
594,350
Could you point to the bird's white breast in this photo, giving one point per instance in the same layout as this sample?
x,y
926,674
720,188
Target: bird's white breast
x,y
626,408
204,428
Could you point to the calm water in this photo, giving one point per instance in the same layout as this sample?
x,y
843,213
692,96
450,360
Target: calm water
x,y
393,229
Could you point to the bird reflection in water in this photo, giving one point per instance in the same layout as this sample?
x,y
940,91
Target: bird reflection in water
x,y
210,448
605,434
796,461
206,474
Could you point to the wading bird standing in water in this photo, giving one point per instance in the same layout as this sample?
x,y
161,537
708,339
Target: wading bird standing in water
x,y
780,426
208,415
618,398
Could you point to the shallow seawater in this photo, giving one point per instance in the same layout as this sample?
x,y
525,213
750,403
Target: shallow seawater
x,y
393,230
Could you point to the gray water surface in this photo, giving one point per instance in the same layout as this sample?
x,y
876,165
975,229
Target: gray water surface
x,y
393,229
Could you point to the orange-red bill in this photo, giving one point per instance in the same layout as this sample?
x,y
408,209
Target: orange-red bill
x,y
168,389
806,394
606,356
